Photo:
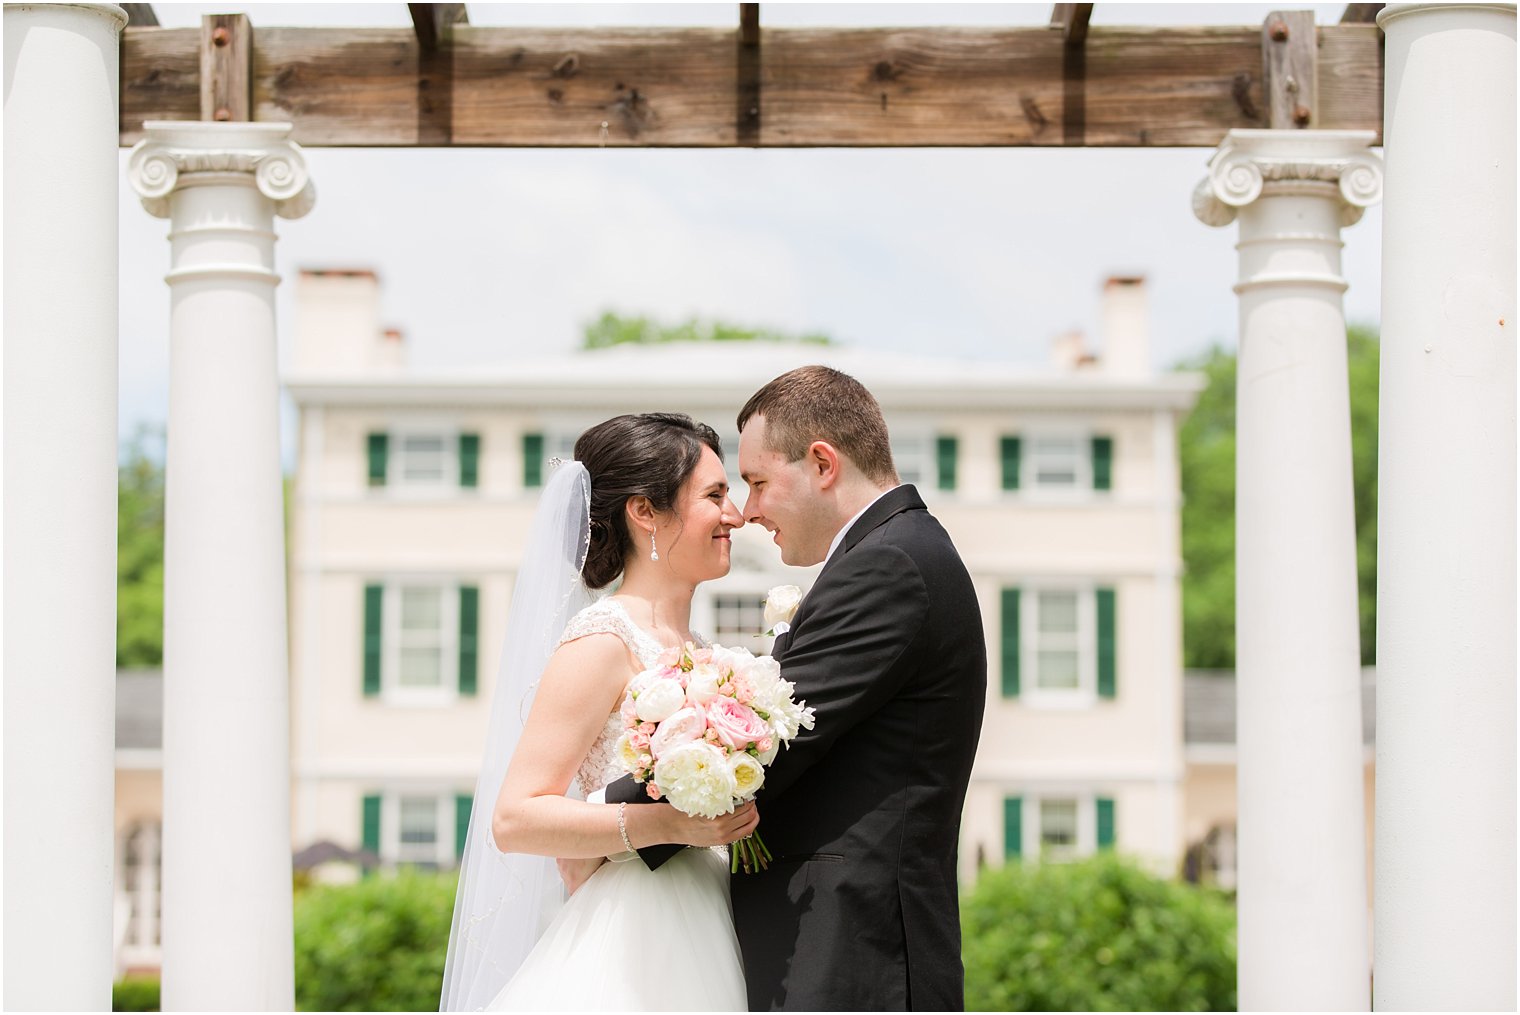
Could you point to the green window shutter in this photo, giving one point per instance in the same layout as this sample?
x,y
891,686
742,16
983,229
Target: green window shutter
x,y
371,833
469,637
469,459
379,446
1013,827
1103,463
1107,669
533,460
1010,625
1010,450
374,596
946,451
1105,823
462,806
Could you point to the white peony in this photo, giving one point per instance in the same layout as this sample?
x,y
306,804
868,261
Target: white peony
x,y
697,780
627,754
749,776
659,700
679,728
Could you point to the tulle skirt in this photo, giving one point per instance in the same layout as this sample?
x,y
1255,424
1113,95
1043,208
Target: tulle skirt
x,y
632,939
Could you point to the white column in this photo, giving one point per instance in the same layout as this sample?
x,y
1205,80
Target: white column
x,y
226,887
60,510
1303,875
1445,858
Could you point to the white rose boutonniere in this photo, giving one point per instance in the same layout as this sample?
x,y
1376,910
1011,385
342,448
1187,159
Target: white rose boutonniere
x,y
780,604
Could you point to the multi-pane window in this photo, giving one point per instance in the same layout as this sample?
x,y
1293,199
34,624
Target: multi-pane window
x,y
423,459
1058,829
421,636
738,491
140,876
1056,462
913,454
739,621
1057,644
418,830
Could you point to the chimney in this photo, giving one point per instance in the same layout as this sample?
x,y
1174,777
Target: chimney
x,y
1068,351
1126,327
338,323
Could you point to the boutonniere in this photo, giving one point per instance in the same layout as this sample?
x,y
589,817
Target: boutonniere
x,y
780,604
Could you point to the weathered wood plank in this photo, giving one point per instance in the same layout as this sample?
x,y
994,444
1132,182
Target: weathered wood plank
x,y
160,77
1073,19
226,67
747,108
1361,14
1350,78
1290,69
919,87
432,21
140,15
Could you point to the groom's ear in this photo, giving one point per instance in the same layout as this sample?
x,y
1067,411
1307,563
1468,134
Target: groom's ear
x,y
823,462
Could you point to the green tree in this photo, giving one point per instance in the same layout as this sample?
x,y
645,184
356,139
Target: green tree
x,y
613,329
140,551
378,945
1098,935
1207,448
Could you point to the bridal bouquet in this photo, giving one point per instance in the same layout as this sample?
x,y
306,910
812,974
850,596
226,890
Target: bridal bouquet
x,y
700,726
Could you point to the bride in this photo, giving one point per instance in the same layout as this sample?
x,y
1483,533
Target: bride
x,y
647,499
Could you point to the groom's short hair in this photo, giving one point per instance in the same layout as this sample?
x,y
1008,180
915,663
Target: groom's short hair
x,y
818,403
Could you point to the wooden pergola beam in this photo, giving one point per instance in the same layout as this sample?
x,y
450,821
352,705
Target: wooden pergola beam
x,y
431,22
1073,19
140,15
876,87
226,67
1361,14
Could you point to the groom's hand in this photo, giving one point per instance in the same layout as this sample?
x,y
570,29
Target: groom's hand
x,y
575,873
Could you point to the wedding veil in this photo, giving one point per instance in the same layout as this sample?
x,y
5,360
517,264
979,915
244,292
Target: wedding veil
x,y
506,899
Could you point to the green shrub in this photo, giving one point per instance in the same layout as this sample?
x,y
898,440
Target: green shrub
x,y
135,993
1098,935
377,945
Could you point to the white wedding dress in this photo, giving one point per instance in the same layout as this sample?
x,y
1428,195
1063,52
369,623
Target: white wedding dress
x,y
632,939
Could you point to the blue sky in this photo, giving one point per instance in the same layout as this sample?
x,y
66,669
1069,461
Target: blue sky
x,y
973,253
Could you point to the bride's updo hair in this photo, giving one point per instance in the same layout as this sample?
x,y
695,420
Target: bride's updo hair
x,y
646,455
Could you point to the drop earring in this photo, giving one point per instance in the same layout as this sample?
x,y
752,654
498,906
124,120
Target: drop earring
x,y
654,553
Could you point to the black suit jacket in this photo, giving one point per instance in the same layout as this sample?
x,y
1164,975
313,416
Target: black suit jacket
x,y
859,910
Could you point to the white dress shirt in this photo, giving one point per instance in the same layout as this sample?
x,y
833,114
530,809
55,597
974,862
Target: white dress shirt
x,y
839,536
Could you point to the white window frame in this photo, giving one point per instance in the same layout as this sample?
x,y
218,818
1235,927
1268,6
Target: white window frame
x,y
1030,457
390,826
391,691
1087,825
921,455
1085,694
395,480
738,489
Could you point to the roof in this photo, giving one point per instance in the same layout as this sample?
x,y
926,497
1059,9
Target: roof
x,y
139,710
1208,707
725,373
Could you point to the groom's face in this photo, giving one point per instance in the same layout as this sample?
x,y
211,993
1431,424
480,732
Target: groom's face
x,y
782,498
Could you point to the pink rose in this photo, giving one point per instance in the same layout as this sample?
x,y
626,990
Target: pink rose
x,y
670,657
629,713
647,728
653,791
702,656
640,741
736,724
681,728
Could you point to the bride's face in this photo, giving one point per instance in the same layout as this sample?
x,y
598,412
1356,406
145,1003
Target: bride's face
x,y
693,537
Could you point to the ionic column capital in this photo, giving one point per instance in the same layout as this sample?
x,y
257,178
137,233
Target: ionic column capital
x,y
173,153
1250,163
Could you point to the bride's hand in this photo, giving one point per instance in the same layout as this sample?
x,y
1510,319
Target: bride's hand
x,y
719,831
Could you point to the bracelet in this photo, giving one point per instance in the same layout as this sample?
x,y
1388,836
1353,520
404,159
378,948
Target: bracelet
x,y
623,826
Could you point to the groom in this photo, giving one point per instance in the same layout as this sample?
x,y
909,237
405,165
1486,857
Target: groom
x,y
862,813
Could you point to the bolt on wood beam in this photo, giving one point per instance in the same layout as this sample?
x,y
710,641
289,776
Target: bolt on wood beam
x,y
1290,69
226,67
747,113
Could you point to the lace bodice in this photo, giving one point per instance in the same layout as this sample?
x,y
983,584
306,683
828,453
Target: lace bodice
x,y
607,616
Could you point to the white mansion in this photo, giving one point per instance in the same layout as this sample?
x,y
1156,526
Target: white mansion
x,y
413,492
